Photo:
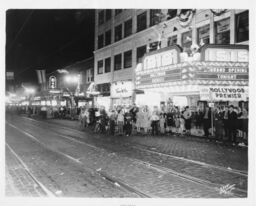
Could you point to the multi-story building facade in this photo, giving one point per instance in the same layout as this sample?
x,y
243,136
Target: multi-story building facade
x,y
124,36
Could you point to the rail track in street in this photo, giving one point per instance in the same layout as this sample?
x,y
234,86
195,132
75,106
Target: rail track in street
x,y
120,183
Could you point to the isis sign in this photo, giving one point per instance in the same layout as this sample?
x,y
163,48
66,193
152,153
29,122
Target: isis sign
x,y
218,93
225,53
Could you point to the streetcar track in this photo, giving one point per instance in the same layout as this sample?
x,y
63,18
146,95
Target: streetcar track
x,y
234,171
161,169
114,181
41,185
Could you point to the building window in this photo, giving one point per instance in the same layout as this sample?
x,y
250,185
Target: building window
x,y
140,53
187,40
118,11
172,40
100,67
107,65
101,17
128,59
118,62
154,46
128,28
142,21
108,37
203,35
100,41
118,32
222,32
108,14
172,13
154,16
242,27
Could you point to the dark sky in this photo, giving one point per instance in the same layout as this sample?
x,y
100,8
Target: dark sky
x,y
47,39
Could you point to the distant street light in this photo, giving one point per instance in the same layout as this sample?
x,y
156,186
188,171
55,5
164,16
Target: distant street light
x,y
72,78
30,90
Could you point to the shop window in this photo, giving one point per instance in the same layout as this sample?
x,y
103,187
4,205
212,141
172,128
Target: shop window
x,y
142,21
222,32
107,65
101,17
108,37
172,40
118,32
118,62
140,53
172,13
187,40
118,11
100,41
108,14
100,67
154,46
154,16
128,28
242,27
203,35
128,59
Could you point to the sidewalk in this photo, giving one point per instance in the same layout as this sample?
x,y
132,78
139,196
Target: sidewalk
x,y
199,149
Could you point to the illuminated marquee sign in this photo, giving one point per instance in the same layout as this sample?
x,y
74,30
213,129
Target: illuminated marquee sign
x,y
222,71
225,53
162,58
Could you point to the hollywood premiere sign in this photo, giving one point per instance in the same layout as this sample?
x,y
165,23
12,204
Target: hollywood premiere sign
x,y
122,89
218,93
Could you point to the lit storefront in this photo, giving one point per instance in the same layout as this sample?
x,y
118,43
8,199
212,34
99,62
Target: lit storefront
x,y
121,93
216,73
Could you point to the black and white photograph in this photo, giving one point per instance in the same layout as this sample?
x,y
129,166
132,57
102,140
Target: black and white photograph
x,y
127,102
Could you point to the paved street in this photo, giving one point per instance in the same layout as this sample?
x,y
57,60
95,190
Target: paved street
x,y
55,157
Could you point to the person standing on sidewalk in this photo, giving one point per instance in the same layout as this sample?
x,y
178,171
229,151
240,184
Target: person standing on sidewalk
x,y
112,122
232,118
225,121
155,121
187,117
207,120
120,122
219,125
128,123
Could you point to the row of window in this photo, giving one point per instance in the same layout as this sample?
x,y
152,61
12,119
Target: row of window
x,y
118,35
106,14
125,30
104,66
222,32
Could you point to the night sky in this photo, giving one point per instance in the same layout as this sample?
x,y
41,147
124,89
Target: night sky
x,y
47,39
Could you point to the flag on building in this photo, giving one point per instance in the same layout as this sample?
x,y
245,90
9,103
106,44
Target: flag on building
x,y
41,76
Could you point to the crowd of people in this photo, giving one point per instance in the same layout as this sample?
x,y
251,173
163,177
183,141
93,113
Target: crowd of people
x,y
223,122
